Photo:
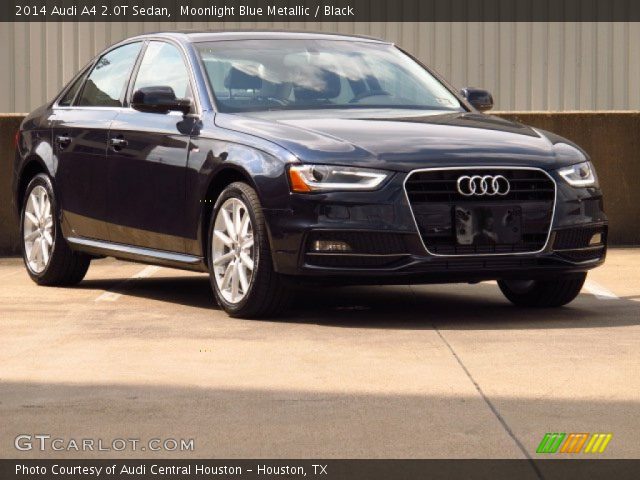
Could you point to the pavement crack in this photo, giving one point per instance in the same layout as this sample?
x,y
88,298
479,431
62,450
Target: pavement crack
x,y
490,404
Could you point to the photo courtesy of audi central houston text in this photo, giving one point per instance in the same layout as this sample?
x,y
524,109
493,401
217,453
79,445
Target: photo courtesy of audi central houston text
x,y
276,160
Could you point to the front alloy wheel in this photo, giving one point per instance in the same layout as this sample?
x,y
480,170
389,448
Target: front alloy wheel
x,y
232,250
243,279
47,255
38,230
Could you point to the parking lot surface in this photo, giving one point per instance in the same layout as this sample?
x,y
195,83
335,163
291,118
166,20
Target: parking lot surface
x,y
447,371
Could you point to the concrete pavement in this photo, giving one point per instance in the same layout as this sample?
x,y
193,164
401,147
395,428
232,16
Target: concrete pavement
x,y
448,371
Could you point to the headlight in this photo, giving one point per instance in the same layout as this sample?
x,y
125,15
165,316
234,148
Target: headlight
x,y
580,175
312,178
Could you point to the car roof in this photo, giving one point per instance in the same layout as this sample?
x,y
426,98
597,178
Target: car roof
x,y
220,35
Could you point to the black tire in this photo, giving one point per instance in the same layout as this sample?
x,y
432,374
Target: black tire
x,y
267,295
543,293
65,267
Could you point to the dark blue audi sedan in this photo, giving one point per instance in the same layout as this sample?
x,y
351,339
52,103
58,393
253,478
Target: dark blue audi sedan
x,y
277,159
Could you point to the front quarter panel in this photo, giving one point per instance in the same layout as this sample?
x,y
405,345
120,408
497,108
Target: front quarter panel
x,y
35,145
216,154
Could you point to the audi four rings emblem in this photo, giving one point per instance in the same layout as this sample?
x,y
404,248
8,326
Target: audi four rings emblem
x,y
481,185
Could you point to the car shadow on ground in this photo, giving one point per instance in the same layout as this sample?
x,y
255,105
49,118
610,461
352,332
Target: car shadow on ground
x,y
458,306
192,291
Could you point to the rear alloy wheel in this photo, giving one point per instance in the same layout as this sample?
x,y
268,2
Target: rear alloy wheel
x,y
240,264
47,256
543,293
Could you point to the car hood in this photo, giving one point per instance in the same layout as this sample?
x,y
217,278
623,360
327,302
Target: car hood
x,y
403,141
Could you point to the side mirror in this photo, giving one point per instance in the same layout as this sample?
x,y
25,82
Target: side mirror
x,y
480,99
160,99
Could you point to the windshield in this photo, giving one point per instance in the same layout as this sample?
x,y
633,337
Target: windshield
x,y
259,75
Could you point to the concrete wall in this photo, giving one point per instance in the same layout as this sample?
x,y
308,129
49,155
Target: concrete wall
x,y
9,234
611,138
550,66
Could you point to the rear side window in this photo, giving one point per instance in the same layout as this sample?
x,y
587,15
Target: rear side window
x,y
107,81
67,100
163,65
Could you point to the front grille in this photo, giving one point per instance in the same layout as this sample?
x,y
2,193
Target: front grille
x,y
433,196
570,238
440,185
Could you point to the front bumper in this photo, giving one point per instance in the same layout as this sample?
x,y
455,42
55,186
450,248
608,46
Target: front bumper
x,y
389,248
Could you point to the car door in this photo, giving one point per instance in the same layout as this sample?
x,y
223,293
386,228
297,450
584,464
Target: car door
x,y
81,122
147,158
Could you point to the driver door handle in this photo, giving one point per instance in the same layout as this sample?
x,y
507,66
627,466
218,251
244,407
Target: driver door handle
x,y
63,140
118,142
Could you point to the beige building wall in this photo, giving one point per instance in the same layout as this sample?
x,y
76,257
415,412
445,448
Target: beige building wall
x,y
527,66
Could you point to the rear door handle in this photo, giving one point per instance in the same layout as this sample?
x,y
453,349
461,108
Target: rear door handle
x,y
118,142
63,140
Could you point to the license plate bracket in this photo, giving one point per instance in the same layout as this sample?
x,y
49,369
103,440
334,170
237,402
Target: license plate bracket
x,y
487,225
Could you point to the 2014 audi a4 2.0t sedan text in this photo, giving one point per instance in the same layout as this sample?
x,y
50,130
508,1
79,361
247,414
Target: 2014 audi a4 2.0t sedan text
x,y
272,159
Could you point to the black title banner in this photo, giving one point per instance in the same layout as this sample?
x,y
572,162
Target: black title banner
x,y
319,10
122,469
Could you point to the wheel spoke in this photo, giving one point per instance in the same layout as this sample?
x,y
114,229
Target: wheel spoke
x,y
43,200
40,197
242,275
246,259
38,252
31,236
49,223
237,221
31,217
45,252
35,204
33,252
234,282
244,226
228,223
226,240
248,243
226,277
47,236
223,259
47,209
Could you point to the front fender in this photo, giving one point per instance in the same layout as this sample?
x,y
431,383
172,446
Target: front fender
x,y
34,154
215,162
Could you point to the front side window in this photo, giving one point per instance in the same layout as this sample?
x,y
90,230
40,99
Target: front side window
x,y
107,81
163,65
256,75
